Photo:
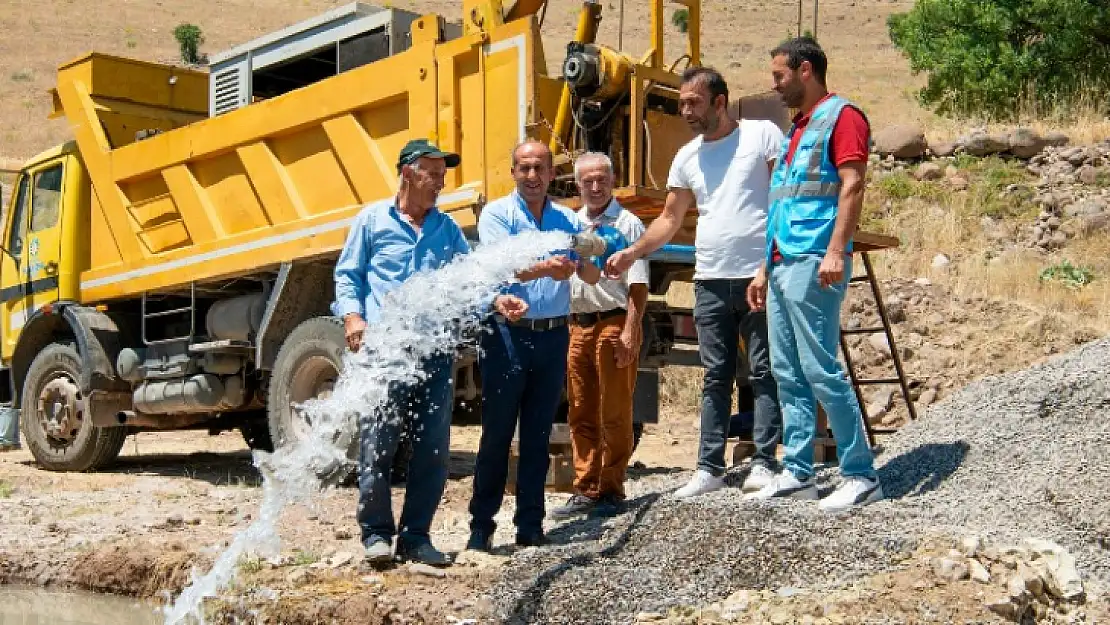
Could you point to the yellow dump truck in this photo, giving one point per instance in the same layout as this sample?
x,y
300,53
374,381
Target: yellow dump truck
x,y
171,266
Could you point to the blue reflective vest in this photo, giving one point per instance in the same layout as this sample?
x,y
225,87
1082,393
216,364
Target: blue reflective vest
x,y
805,193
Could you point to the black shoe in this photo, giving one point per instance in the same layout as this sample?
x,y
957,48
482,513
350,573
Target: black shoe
x,y
480,540
576,505
424,553
531,539
608,506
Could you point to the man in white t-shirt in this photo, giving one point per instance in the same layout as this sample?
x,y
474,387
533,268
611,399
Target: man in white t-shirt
x,y
725,174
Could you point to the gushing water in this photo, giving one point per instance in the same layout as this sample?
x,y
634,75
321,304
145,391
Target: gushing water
x,y
429,314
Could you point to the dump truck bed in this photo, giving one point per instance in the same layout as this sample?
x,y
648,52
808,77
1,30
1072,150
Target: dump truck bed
x,y
281,179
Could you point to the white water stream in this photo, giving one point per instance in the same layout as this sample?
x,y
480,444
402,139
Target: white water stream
x,y
425,316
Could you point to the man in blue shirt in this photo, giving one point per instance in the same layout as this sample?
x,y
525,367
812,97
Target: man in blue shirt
x,y
524,362
389,241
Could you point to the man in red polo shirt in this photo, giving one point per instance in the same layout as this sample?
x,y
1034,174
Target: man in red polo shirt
x,y
816,198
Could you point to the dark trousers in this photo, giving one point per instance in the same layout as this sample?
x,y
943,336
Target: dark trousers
x,y
424,409
722,316
523,375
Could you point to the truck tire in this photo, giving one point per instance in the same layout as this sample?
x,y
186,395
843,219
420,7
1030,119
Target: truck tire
x,y
307,366
54,416
256,433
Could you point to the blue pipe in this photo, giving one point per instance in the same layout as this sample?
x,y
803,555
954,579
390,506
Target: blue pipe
x,y
673,253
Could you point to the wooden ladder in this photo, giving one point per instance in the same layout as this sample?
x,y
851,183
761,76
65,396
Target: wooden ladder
x,y
885,328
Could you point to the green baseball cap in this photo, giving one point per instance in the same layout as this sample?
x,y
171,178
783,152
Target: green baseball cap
x,y
419,148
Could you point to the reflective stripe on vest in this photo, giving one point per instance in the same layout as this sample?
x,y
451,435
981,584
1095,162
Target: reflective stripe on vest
x,y
810,188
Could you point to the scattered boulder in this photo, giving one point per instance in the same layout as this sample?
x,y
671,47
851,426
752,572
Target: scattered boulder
x,y
927,397
1087,174
1002,606
1056,139
943,149
901,142
940,261
1074,156
985,145
1090,224
951,569
928,171
1026,143
978,572
1063,579
1089,206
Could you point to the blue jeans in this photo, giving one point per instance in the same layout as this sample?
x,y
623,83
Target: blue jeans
x,y
9,427
805,334
523,374
722,316
427,406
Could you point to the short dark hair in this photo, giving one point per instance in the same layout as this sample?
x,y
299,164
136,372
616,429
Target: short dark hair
x,y
804,49
714,81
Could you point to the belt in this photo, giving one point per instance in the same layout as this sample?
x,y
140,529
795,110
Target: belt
x,y
587,319
538,325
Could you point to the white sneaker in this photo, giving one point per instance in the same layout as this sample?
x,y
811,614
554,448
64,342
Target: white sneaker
x,y
853,491
786,485
758,477
702,482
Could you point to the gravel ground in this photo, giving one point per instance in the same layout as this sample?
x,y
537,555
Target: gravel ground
x,y
1007,457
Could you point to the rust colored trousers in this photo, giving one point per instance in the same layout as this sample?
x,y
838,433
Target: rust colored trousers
x,y
600,411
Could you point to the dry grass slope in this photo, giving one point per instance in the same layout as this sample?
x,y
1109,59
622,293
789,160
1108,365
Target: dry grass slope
x,y
40,35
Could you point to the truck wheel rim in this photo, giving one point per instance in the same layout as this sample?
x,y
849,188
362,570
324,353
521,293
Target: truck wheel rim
x,y
60,411
314,379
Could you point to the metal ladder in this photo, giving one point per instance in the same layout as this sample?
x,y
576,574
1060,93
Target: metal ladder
x,y
858,382
191,310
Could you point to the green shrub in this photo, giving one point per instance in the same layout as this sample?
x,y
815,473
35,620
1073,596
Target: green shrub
x,y
991,58
681,19
1067,274
189,38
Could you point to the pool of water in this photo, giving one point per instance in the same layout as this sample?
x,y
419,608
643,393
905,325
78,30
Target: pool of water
x,y
34,606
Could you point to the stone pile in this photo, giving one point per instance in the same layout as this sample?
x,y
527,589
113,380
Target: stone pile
x,y
1039,577
1073,193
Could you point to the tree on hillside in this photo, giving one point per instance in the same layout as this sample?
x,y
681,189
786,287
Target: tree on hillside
x,y
189,38
989,57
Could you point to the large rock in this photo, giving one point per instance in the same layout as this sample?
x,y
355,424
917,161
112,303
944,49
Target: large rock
x,y
1090,224
901,142
1056,139
928,171
944,148
1089,206
950,569
1063,579
985,145
1026,143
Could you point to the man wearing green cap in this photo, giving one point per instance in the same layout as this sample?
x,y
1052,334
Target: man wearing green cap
x,y
389,241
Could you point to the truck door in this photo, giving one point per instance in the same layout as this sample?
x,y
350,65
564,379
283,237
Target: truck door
x,y
29,271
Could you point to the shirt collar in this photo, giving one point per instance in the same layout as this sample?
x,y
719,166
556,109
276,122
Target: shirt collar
x,y
612,211
431,215
803,118
524,206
